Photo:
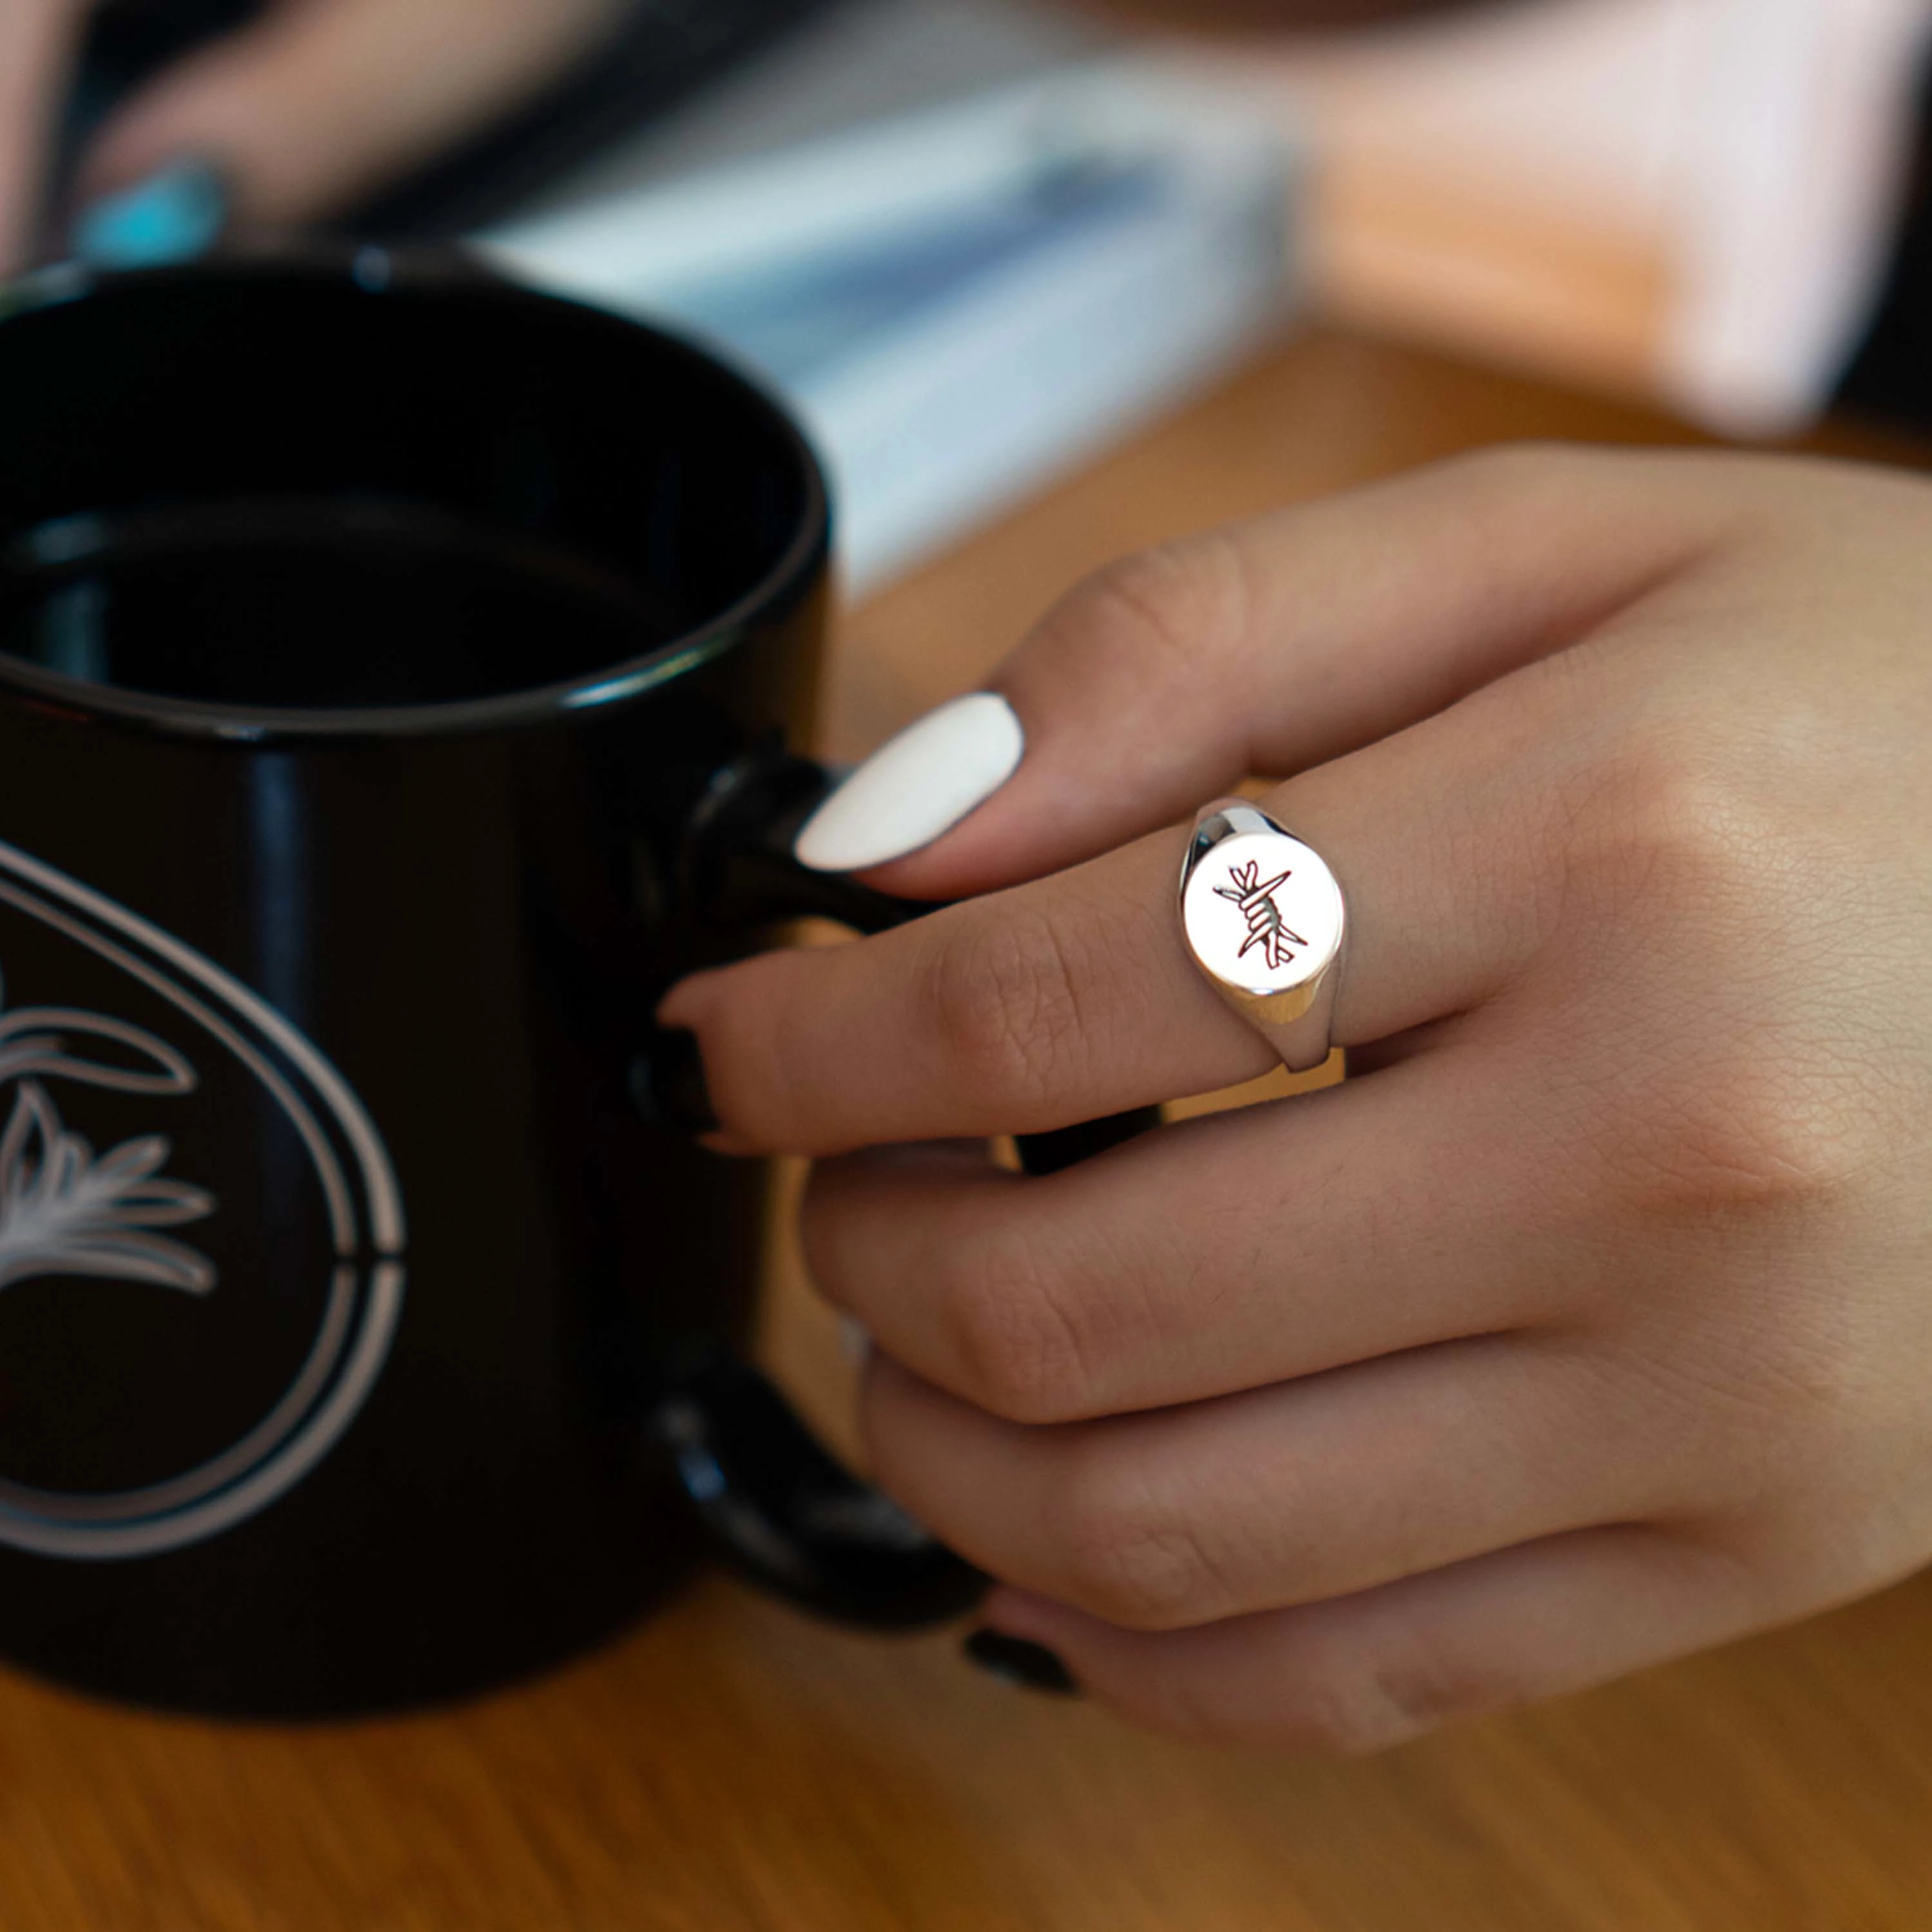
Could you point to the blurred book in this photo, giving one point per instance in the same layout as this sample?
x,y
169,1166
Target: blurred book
x,y
964,300
1692,199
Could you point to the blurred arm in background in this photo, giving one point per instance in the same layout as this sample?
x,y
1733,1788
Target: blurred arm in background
x,y
302,110
311,105
35,40
1238,14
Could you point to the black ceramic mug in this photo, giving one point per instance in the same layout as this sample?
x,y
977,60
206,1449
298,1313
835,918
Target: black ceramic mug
x,y
396,672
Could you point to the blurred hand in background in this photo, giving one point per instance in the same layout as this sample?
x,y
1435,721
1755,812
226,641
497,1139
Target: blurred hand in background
x,y
302,112
1217,15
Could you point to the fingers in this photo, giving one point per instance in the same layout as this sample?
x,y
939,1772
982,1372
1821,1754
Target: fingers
x,y
1288,1494
37,39
1318,1232
322,102
1365,1672
1020,1012
1278,645
1073,998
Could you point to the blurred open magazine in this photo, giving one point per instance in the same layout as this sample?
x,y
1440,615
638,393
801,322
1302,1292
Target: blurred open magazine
x,y
961,301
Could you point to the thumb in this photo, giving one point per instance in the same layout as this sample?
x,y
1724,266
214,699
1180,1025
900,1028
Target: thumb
x,y
322,101
1262,650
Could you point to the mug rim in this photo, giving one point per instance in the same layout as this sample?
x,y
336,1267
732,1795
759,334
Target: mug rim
x,y
379,269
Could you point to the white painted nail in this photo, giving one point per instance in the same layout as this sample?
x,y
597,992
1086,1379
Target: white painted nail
x,y
855,1340
916,786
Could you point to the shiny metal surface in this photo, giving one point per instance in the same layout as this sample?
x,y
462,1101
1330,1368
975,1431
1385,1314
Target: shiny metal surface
x,y
1265,921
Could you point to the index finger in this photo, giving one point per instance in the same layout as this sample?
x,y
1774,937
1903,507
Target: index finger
x,y
1073,998
1002,1014
314,104
1404,619
38,38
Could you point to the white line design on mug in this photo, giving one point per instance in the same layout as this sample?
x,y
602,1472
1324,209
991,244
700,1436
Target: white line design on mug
x,y
362,1262
64,1211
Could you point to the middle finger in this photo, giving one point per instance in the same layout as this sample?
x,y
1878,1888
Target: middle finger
x,y
1310,1489
1214,1255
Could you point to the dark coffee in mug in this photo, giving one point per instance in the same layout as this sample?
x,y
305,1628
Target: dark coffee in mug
x,y
397,669
323,602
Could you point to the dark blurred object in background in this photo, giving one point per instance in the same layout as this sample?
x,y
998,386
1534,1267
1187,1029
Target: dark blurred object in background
x,y
1890,377
667,52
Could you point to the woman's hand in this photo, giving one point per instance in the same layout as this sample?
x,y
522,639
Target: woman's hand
x,y
317,103
1591,1323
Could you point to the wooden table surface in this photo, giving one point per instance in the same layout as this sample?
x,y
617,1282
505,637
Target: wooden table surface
x,y
729,1767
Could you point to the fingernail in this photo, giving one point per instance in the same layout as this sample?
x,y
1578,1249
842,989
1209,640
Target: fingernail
x,y
1013,1660
667,1084
917,785
176,214
855,1338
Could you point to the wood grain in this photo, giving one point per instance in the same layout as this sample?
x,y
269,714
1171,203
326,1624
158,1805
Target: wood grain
x,y
731,1768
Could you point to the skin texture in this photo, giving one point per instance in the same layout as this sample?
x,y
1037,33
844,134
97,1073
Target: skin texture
x,y
317,103
1586,1325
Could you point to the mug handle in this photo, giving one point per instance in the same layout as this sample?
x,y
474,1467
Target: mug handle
x,y
778,1507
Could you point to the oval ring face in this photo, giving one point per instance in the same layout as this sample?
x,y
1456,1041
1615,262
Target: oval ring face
x,y
1262,912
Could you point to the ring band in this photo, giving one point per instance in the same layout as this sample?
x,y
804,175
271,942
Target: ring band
x,y
1265,921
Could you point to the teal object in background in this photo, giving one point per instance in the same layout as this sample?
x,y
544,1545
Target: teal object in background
x,y
176,213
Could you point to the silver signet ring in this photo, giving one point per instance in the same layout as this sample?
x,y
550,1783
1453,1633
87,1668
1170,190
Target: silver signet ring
x,y
1264,920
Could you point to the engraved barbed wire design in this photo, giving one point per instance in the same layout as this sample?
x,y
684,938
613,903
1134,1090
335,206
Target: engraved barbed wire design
x,y
64,1210
1266,927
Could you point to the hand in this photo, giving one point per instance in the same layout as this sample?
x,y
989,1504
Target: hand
x,y
1250,16
1591,1324
318,102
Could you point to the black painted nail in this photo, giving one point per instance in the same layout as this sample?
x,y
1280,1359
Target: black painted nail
x,y
1014,1661
668,1084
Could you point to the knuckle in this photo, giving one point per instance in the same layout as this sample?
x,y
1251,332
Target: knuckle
x,y
1182,600
1015,1329
1327,1686
1662,825
1382,1706
1364,1714
1129,1556
1707,1131
1354,1702
1748,1136
1320,1701
1002,999
1691,917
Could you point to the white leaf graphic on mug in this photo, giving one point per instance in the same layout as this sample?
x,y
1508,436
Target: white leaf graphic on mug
x,y
63,1209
